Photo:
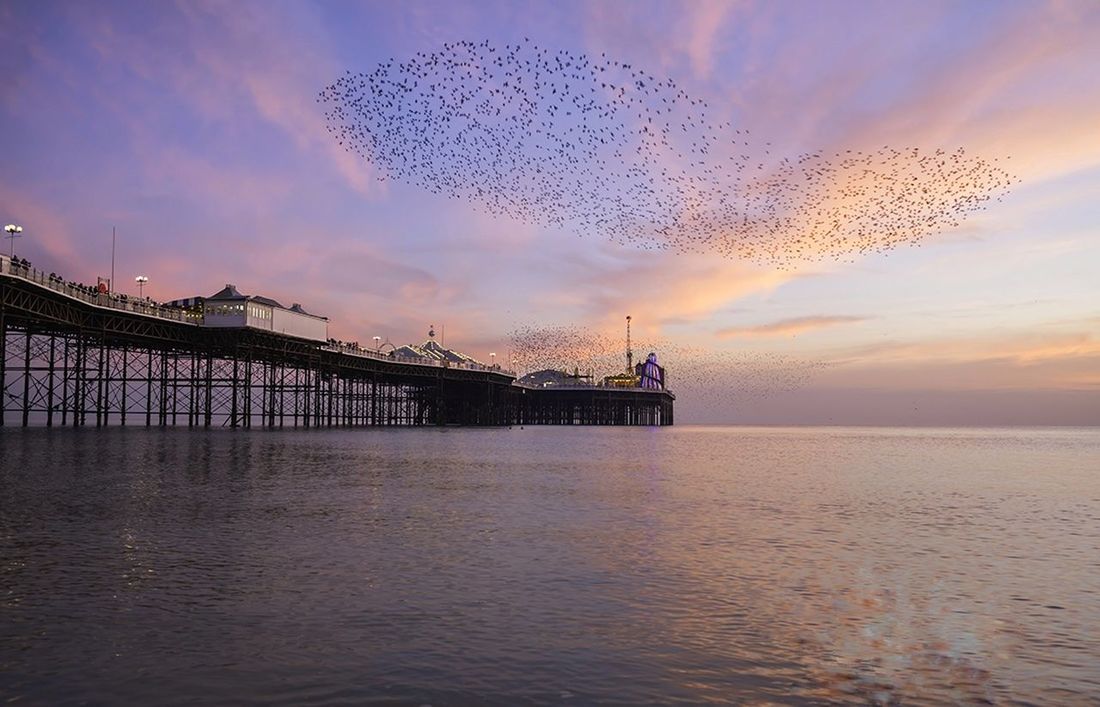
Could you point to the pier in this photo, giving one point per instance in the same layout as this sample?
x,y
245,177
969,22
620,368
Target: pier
x,y
71,355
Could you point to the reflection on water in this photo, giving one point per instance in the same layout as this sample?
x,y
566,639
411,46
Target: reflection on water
x,y
550,566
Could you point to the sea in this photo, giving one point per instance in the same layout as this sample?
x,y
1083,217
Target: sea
x,y
550,566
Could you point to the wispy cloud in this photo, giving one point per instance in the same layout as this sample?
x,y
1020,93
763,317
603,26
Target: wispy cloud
x,y
42,224
784,327
705,19
229,64
1057,357
1019,348
659,291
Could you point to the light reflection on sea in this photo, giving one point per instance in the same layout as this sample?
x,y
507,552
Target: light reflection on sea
x,y
550,565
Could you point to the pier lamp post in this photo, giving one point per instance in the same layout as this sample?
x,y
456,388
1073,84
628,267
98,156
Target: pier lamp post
x,y
493,357
377,343
14,231
141,280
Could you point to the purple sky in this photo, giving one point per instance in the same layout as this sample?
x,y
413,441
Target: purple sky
x,y
193,128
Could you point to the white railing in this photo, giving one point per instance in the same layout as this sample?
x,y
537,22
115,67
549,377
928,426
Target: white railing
x,y
89,294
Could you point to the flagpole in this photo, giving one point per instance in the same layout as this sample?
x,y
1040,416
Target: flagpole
x,y
112,286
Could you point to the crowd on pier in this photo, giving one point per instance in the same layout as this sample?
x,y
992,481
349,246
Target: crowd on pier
x,y
400,355
101,295
95,294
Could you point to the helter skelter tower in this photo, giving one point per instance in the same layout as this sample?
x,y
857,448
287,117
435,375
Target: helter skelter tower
x,y
650,374
647,374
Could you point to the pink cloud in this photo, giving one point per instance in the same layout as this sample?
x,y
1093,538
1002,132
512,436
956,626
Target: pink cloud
x,y
224,58
669,289
1017,93
44,229
705,19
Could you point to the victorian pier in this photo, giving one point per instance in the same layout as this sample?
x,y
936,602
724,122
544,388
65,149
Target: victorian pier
x,y
76,355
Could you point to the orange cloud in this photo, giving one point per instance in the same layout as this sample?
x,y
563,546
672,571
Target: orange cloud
x,y
1066,359
683,289
792,326
1044,53
1019,348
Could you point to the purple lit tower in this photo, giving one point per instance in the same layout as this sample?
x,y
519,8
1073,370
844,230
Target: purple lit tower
x,y
650,374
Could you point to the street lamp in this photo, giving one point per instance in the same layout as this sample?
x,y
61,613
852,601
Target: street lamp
x,y
377,343
141,280
493,356
13,232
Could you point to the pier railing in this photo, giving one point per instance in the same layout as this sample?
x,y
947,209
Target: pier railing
x,y
86,293
533,386
355,350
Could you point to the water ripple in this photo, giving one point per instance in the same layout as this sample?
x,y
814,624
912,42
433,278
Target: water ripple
x,y
550,566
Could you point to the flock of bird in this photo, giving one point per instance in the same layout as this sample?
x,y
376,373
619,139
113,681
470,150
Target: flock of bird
x,y
703,375
592,145
588,144
562,348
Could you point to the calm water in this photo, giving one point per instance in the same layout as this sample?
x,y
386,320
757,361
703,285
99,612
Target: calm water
x,y
556,566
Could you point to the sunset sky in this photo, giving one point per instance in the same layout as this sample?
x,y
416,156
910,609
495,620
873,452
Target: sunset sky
x,y
193,128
